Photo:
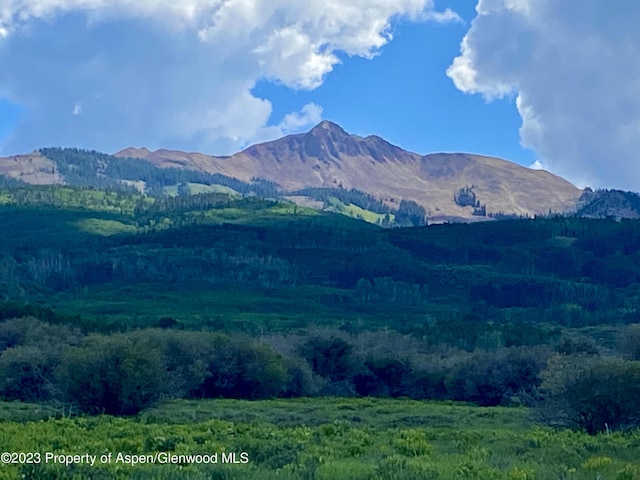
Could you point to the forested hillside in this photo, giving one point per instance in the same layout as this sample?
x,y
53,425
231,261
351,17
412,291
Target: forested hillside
x,y
85,168
289,301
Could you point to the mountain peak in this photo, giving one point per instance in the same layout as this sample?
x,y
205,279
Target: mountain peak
x,y
327,141
327,127
327,156
133,152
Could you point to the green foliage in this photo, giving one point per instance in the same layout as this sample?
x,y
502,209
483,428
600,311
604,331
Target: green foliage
x,y
26,373
310,304
241,369
577,346
412,443
116,375
73,198
387,290
398,468
629,342
354,211
595,394
116,260
328,357
410,214
337,439
7,182
88,168
113,373
352,196
494,378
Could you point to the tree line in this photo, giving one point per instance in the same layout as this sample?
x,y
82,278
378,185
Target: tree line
x,y
89,168
569,382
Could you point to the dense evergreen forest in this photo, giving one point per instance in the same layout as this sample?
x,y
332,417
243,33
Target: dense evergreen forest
x,y
88,168
112,300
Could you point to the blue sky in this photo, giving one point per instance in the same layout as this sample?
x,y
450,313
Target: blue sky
x,y
405,96
553,82
9,116
402,94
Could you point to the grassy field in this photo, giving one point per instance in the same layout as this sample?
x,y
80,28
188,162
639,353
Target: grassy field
x,y
98,226
196,305
320,439
197,188
248,309
355,211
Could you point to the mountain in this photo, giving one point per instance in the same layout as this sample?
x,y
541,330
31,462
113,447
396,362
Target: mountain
x,y
329,157
325,168
609,203
32,168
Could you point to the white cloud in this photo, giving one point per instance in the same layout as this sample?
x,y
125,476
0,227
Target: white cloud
x,y
537,165
574,68
177,73
309,115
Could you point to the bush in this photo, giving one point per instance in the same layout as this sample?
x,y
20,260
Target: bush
x,y
185,358
26,373
116,375
33,332
591,393
629,342
329,357
244,369
492,378
577,346
301,381
389,377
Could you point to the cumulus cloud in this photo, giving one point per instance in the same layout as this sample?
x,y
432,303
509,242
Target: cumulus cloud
x,y
574,71
178,74
310,114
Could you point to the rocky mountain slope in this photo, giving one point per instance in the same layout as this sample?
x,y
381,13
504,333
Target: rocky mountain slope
x,y
32,168
450,186
609,203
327,156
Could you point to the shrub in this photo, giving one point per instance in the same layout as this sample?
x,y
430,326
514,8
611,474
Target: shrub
x,y
592,393
185,357
26,373
329,357
490,379
117,375
243,368
629,342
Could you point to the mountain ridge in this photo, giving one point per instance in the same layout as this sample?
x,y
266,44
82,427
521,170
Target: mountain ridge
x,y
327,156
448,186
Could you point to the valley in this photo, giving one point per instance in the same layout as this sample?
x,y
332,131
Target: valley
x,y
211,314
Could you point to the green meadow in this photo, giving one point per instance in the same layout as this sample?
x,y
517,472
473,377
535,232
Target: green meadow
x,y
330,438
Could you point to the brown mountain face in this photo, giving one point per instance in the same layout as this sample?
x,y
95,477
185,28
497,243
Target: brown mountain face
x,y
31,168
327,156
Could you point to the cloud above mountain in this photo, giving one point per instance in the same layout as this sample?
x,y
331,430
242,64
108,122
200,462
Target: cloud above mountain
x,y
180,74
574,70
